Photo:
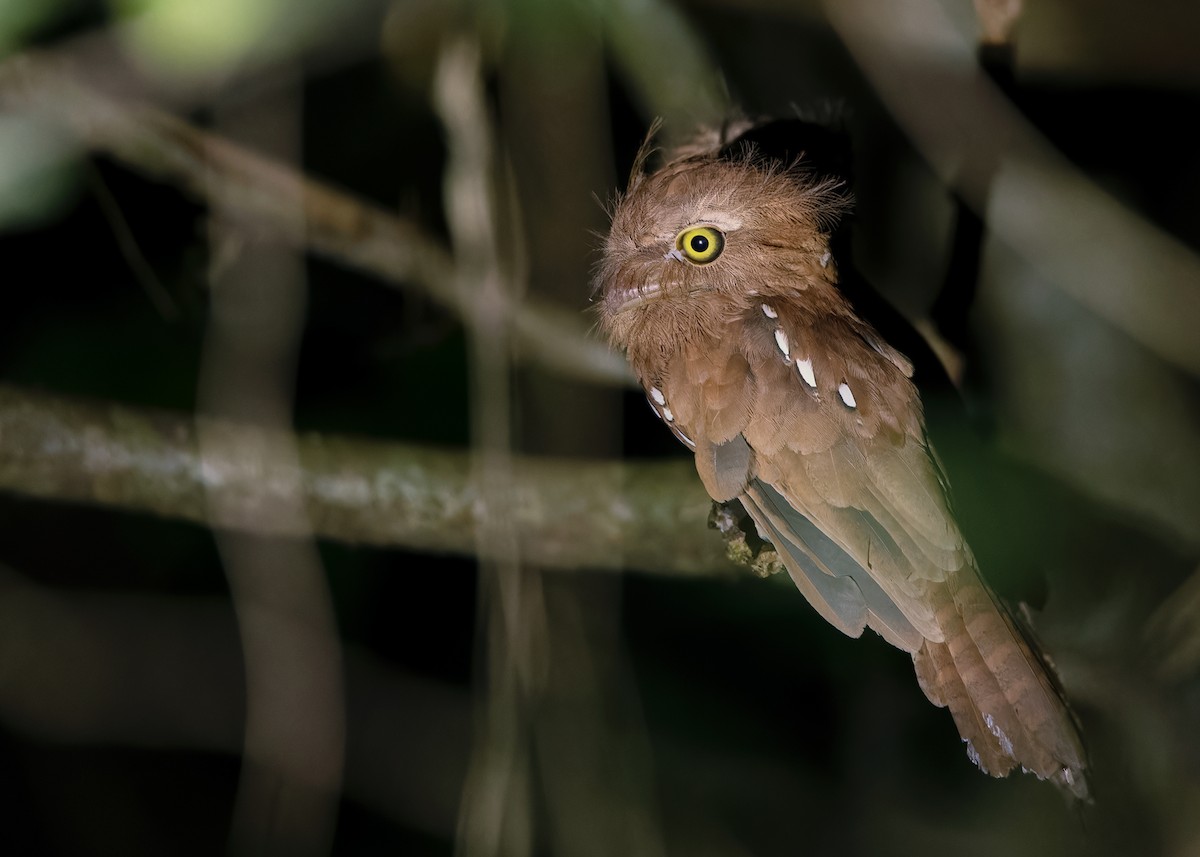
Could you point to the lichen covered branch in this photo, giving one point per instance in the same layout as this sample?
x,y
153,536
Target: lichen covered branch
x,y
568,514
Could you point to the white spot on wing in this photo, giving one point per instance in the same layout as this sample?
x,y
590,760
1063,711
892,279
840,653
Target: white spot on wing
x,y
847,395
769,311
667,415
1005,743
685,438
782,341
657,395
805,368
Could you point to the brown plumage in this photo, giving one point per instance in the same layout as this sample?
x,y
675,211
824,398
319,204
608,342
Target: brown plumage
x,y
718,281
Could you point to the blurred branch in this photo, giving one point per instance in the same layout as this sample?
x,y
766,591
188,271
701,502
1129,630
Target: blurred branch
x,y
260,193
566,514
87,668
155,291
293,757
1173,632
997,20
1105,256
950,313
91,667
666,64
497,812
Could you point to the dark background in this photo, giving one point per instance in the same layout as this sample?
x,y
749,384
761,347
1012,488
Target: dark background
x,y
699,716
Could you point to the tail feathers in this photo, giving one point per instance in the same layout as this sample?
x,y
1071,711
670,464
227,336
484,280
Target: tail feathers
x,y
999,691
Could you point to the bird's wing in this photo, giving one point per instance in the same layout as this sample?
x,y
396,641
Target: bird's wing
x,y
840,456
841,589
834,471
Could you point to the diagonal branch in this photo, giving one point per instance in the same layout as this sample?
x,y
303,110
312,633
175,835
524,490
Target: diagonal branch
x,y
261,194
1105,256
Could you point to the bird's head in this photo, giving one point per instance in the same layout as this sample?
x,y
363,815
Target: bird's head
x,y
710,231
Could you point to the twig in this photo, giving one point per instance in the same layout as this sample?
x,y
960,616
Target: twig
x,y
155,291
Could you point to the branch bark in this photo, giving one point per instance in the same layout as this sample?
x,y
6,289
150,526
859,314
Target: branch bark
x,y
568,514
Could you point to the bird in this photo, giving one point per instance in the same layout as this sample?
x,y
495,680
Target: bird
x,y
722,278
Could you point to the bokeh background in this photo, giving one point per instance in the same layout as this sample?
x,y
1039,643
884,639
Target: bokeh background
x,y
328,525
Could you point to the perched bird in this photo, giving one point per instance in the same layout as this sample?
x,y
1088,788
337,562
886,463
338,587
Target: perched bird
x,y
719,279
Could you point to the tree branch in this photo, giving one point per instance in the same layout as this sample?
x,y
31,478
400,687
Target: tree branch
x,y
568,514
1107,257
261,194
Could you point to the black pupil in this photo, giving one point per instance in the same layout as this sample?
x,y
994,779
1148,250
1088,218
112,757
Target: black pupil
x,y
699,243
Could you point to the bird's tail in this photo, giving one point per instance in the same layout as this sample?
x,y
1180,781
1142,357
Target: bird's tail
x,y
1003,696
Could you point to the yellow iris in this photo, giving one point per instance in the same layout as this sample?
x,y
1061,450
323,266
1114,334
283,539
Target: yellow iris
x,y
701,244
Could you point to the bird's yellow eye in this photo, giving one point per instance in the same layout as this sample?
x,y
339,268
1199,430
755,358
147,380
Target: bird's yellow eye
x,y
701,244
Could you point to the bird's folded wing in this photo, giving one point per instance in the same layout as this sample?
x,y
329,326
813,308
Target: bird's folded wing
x,y
870,523
885,536
841,590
